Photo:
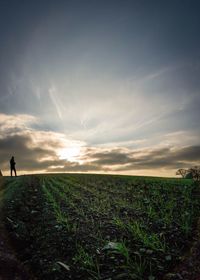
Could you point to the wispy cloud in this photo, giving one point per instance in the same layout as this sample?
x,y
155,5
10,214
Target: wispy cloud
x,y
55,100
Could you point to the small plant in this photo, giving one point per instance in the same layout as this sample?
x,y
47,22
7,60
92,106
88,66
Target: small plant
x,y
86,261
149,240
119,248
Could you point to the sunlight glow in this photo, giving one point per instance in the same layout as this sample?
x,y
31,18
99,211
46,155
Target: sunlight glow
x,y
71,153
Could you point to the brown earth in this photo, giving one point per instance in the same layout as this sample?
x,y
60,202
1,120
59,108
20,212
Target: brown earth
x,y
10,266
189,267
12,269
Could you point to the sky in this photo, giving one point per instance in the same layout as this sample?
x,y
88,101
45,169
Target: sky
x,y
100,86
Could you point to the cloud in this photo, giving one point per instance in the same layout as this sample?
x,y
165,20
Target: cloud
x,y
113,157
76,167
12,124
34,150
47,151
55,100
27,156
168,158
130,159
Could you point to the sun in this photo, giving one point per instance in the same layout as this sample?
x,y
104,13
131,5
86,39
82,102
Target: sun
x,y
70,153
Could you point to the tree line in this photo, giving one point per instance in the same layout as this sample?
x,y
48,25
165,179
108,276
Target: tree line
x,y
191,173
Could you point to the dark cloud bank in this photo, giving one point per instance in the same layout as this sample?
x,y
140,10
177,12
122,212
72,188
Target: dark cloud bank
x,y
34,159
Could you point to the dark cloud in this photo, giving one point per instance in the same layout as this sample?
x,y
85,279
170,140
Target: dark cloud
x,y
167,158
32,157
27,156
110,158
120,160
76,167
191,153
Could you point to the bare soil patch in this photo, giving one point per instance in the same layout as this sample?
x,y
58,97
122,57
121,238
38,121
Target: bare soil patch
x,y
10,267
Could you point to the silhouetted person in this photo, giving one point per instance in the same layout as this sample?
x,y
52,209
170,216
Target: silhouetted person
x,y
12,166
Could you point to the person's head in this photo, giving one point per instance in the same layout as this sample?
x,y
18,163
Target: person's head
x,y
12,157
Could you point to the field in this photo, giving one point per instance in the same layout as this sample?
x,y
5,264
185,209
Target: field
x,y
78,226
